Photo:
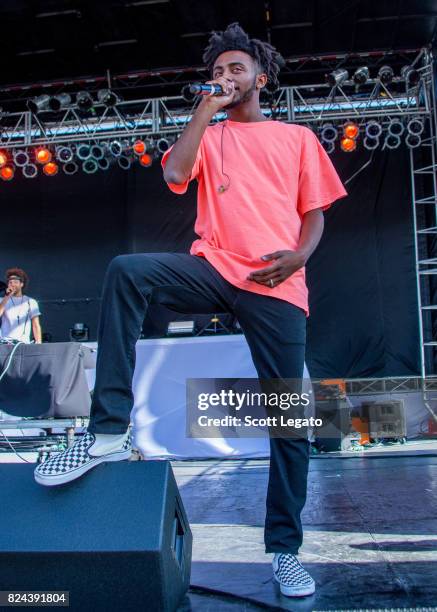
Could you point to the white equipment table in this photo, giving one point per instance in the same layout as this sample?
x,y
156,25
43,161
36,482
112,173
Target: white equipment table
x,y
162,367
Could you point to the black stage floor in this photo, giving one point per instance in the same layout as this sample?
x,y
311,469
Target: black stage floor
x,y
370,534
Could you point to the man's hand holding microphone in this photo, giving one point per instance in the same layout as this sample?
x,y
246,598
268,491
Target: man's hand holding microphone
x,y
10,291
215,103
183,154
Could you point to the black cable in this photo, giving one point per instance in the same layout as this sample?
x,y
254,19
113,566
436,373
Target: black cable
x,y
13,449
367,163
223,188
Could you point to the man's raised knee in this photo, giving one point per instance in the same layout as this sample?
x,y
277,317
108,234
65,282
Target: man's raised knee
x,y
119,264
130,266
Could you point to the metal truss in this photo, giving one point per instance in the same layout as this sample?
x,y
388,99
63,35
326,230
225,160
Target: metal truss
x,y
146,118
69,424
379,386
423,168
38,423
424,199
297,70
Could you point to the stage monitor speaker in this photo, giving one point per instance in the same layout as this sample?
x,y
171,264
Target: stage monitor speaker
x,y
387,419
116,539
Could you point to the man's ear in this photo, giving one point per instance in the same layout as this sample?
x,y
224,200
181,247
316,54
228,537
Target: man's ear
x,y
261,81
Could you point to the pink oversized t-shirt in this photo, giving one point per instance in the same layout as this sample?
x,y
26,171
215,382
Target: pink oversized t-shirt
x,y
278,172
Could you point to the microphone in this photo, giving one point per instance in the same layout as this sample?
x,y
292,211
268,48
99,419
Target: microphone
x,y
206,89
189,92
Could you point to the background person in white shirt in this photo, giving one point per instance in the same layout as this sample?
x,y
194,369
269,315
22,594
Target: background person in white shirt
x,y
19,313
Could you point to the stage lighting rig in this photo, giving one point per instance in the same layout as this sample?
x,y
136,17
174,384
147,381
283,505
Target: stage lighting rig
x,y
337,77
146,160
108,97
348,144
373,129
115,148
124,162
83,151
391,142
97,151
84,100
371,143
139,147
328,132
411,75
415,126
79,332
64,154
43,155
60,101
90,166
39,103
351,130
7,173
163,144
361,75
181,328
30,171
103,163
395,127
21,158
385,74
413,141
70,168
50,169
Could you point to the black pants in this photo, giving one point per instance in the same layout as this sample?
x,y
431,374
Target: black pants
x,y
275,331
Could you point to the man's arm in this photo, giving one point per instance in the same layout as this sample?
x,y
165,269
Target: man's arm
x,y
183,154
311,232
3,303
36,330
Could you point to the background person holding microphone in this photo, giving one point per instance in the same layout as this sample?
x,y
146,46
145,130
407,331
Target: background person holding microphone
x,y
19,313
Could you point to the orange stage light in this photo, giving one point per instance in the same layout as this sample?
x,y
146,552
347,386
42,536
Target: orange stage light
x,y
139,147
50,169
43,156
351,130
7,173
3,159
146,160
348,144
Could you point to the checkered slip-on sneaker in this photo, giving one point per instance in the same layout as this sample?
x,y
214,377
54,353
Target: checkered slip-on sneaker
x,y
75,461
293,579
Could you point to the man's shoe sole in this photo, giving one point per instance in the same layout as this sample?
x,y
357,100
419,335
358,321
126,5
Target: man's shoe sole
x,y
58,479
295,591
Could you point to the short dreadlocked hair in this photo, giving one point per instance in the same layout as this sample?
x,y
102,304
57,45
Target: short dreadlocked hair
x,y
234,38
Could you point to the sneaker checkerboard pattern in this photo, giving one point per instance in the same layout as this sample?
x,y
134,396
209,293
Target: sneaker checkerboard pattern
x,y
75,461
294,580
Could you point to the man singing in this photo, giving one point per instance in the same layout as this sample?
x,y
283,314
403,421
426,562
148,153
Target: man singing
x,y
262,188
19,313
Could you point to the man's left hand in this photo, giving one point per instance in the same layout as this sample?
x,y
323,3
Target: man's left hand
x,y
285,264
